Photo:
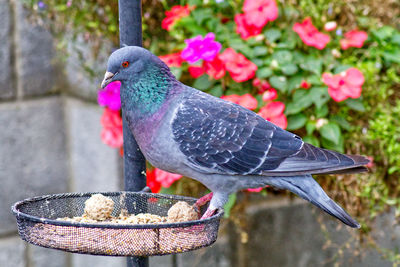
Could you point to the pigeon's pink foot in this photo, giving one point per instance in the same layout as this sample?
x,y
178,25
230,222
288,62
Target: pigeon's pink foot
x,y
201,202
208,214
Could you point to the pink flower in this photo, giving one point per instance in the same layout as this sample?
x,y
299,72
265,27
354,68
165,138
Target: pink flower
x,y
345,84
172,60
239,67
109,96
215,68
166,179
258,12
175,14
310,35
245,30
269,95
196,71
330,26
273,112
154,185
247,100
198,48
305,85
370,164
261,85
111,133
255,190
353,38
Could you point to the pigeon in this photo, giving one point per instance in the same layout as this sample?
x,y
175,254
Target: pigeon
x,y
222,145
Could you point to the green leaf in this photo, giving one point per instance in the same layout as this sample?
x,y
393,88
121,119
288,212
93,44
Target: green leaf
x,y
331,145
313,65
331,132
296,121
383,32
191,25
177,72
312,140
203,82
216,91
264,72
310,127
294,82
259,62
272,34
229,204
278,82
167,191
289,69
201,15
301,101
396,38
341,121
340,69
260,51
355,104
393,55
283,57
322,111
319,96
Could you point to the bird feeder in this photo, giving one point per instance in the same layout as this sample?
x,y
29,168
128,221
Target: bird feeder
x,y
37,217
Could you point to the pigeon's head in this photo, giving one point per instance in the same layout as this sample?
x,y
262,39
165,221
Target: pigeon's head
x,y
129,62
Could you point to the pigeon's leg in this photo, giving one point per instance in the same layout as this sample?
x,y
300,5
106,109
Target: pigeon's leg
x,y
204,200
201,202
209,212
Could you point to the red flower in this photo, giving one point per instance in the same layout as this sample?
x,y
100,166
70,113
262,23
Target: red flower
x,y
345,84
353,38
245,30
214,68
258,12
269,95
111,134
273,112
310,35
172,60
154,185
196,71
239,67
305,85
165,178
173,15
247,100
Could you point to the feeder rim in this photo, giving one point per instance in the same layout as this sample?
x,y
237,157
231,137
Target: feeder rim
x,y
19,214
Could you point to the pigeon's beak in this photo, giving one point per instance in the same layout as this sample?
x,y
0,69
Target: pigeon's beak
x,y
107,79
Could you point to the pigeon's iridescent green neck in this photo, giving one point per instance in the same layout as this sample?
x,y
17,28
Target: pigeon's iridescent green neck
x,y
145,94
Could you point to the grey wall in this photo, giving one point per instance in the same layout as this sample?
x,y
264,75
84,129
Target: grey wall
x,y
50,143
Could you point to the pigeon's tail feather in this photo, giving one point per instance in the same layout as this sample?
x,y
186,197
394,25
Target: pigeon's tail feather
x,y
307,188
347,171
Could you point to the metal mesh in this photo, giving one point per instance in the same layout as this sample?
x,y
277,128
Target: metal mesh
x,y
37,224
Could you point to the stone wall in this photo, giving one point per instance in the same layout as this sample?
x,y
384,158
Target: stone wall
x,y
49,143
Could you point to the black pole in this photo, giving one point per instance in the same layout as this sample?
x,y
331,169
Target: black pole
x,y
130,33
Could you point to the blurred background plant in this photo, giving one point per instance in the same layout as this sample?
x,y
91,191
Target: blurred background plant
x,y
327,70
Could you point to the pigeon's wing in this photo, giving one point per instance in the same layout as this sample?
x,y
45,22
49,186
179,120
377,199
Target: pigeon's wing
x,y
218,136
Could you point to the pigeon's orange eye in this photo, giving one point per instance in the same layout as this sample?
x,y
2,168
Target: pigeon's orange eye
x,y
125,64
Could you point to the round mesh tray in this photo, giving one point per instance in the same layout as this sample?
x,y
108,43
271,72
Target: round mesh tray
x,y
37,224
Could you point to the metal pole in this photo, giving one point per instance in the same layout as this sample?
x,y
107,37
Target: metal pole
x,y
130,33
